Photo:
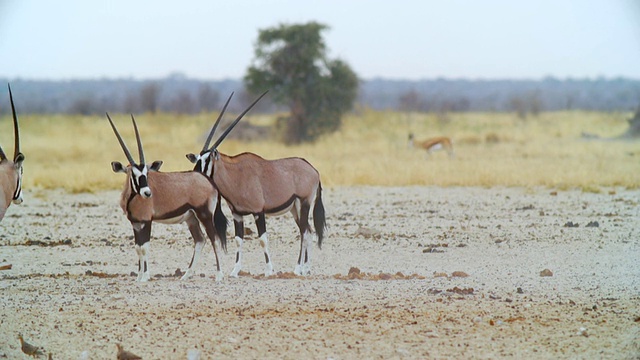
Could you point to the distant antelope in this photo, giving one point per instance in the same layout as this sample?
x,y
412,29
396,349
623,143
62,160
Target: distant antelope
x,y
177,197
433,144
11,171
254,186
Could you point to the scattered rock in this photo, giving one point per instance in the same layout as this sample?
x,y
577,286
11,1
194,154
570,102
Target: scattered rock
x,y
459,274
368,233
461,291
582,332
528,207
593,224
519,290
546,272
571,224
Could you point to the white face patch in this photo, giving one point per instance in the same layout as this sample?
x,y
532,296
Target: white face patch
x,y
139,181
205,164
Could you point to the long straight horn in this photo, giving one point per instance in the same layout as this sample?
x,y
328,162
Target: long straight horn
x,y
124,147
235,122
215,126
135,127
16,128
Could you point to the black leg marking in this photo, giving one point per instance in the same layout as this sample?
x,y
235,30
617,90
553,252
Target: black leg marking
x,y
261,224
142,232
239,227
303,225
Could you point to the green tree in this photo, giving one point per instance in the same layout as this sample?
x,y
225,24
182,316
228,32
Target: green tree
x,y
291,61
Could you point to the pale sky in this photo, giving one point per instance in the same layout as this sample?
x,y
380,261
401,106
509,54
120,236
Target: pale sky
x,y
412,39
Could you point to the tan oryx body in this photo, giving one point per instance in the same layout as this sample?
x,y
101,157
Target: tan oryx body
x,y
171,198
11,170
433,144
254,186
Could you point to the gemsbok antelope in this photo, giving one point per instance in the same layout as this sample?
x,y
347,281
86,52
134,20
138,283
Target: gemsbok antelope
x,y
170,198
433,144
11,171
254,186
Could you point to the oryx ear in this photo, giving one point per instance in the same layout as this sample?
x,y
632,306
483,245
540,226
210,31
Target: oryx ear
x,y
192,158
17,162
155,166
116,166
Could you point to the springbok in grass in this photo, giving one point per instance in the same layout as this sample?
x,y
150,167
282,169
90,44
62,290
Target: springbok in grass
x,y
254,186
433,144
11,171
177,197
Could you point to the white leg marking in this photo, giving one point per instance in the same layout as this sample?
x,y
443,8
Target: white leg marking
x,y
238,266
264,241
306,260
143,255
140,263
197,250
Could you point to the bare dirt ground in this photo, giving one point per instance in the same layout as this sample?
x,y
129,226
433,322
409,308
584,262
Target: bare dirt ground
x,y
411,272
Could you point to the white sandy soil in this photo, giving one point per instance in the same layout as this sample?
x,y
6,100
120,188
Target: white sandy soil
x,y
406,272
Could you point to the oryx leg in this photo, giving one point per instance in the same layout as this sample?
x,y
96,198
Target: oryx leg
x,y
142,235
261,224
303,267
207,220
238,224
198,239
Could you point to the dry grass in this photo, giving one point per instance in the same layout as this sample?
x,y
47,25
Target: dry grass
x,y
74,153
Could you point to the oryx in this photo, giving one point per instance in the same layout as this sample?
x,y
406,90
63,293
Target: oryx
x,y
254,186
11,171
171,198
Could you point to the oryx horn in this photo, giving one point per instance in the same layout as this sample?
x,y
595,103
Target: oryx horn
x,y
235,122
215,126
122,144
135,127
16,129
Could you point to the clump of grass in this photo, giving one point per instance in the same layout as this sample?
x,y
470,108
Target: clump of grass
x,y
492,149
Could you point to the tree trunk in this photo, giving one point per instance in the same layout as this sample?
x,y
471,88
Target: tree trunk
x,y
295,132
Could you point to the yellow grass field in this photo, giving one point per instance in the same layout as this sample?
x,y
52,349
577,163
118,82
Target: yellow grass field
x,y
492,149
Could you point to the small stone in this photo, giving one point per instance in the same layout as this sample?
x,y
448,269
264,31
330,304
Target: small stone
x,y
459,274
546,272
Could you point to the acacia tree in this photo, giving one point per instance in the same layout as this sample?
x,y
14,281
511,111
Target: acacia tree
x,y
290,61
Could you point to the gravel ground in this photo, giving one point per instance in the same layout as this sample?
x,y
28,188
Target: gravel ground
x,y
405,272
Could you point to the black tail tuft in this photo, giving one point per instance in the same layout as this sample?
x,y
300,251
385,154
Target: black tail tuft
x,y
319,221
221,223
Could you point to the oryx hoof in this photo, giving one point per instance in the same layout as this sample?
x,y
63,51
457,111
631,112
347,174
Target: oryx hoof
x,y
186,275
236,271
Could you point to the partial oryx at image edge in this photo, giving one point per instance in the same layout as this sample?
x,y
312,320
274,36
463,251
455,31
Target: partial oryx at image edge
x,y
11,170
170,198
254,186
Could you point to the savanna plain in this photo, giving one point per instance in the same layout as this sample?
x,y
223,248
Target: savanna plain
x,y
524,245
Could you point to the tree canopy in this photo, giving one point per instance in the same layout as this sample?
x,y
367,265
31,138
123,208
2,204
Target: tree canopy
x,y
291,62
